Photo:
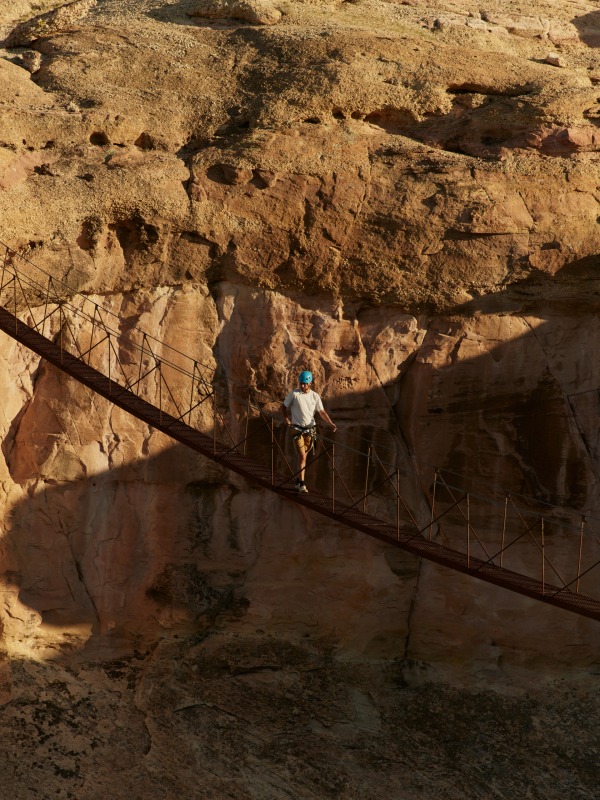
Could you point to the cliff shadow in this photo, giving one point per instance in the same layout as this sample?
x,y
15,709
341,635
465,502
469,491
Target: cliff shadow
x,y
119,555
501,394
516,403
180,13
588,27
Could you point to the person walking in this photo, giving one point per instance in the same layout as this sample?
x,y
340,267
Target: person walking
x,y
299,409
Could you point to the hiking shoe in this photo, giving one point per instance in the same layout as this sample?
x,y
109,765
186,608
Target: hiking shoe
x,y
302,488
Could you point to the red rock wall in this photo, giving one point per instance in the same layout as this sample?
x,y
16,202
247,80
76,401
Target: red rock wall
x,y
405,203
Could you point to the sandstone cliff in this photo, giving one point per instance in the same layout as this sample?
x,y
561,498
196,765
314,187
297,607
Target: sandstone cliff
x,y
403,198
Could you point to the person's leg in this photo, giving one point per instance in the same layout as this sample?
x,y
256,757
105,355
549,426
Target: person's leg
x,y
301,444
302,453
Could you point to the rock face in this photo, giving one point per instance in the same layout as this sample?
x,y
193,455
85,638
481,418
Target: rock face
x,y
402,199
48,23
257,12
264,718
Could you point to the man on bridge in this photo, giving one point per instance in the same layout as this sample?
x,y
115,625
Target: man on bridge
x,y
299,409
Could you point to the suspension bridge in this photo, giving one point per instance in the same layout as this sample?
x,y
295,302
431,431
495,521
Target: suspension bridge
x,y
549,554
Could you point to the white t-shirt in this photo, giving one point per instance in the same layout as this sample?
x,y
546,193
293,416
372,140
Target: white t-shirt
x,y
303,407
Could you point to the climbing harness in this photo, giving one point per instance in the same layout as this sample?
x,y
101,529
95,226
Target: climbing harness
x,y
310,430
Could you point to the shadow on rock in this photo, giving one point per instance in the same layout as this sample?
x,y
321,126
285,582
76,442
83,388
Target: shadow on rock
x,y
588,27
115,557
500,394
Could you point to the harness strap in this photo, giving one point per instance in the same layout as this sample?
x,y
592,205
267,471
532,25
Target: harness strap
x,y
309,430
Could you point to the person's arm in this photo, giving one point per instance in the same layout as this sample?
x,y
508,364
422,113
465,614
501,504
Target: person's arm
x,y
328,419
286,412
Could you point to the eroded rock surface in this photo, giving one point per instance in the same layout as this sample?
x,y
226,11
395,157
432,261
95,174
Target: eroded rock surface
x,y
263,719
48,23
403,199
258,12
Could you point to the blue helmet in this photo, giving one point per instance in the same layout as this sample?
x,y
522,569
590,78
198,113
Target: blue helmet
x,y
305,377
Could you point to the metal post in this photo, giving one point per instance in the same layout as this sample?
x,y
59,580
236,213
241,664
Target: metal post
x,y
4,262
398,503
214,395
504,528
60,319
543,558
333,478
272,453
46,304
580,554
89,355
247,422
160,409
138,383
435,476
109,352
367,480
193,384
468,532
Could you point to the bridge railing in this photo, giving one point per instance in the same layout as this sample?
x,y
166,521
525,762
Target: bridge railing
x,y
558,547
95,333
